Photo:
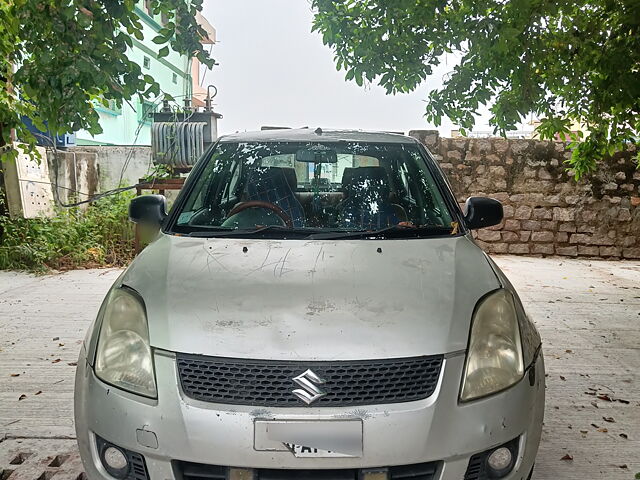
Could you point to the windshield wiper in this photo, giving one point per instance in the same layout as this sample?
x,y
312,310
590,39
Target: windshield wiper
x,y
241,232
396,231
399,231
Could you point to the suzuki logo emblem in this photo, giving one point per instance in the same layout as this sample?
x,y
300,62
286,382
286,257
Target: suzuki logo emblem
x,y
310,392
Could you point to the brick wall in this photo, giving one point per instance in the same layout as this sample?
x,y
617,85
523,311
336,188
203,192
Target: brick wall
x,y
546,211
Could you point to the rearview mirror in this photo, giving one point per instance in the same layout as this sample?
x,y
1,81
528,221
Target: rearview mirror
x,y
317,154
148,209
480,212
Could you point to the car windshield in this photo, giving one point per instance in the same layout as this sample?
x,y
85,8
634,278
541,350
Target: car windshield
x,y
314,189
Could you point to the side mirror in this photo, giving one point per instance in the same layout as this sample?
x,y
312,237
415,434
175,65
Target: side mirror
x,y
148,209
480,212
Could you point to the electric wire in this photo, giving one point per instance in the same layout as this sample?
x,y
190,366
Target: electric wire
x,y
52,147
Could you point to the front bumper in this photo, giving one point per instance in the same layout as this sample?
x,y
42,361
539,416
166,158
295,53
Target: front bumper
x,y
175,427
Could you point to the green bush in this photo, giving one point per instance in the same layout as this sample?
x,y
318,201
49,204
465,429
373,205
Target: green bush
x,y
100,235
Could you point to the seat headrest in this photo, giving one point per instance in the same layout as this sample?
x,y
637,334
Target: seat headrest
x,y
347,174
278,174
365,179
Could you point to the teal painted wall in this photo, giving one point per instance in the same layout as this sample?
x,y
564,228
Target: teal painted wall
x,y
173,72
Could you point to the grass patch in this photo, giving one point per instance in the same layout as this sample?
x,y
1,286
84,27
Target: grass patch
x,y
99,236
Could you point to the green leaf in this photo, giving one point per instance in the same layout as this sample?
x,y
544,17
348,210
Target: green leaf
x,y
154,89
165,32
160,39
163,52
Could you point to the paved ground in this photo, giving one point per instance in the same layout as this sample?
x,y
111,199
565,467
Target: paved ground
x,y
588,314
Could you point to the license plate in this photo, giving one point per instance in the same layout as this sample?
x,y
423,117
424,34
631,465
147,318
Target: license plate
x,y
310,438
301,451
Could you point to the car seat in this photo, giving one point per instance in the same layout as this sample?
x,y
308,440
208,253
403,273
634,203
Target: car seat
x,y
366,205
272,184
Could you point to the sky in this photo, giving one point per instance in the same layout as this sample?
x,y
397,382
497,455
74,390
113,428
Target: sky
x,y
274,71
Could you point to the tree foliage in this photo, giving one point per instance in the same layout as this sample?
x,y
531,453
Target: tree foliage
x,y
565,61
58,57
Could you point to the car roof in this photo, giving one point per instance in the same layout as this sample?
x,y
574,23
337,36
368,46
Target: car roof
x,y
317,135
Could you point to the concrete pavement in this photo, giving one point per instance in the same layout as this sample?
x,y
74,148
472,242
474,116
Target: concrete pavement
x,y
588,313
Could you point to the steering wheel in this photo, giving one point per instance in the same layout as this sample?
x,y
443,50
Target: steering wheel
x,y
241,207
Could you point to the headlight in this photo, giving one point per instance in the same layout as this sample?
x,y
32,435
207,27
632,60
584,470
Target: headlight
x,y
494,359
123,356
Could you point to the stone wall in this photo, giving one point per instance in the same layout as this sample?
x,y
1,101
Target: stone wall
x,y
546,211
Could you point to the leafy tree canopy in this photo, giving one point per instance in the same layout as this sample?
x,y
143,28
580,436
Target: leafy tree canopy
x,y
57,57
565,61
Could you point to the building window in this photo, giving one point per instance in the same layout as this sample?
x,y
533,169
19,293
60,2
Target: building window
x,y
175,78
145,111
146,63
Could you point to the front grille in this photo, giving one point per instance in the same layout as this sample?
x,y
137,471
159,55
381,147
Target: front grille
x,y
307,475
138,466
419,471
198,471
477,470
270,383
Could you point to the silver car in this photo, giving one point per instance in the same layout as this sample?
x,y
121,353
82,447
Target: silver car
x,y
313,307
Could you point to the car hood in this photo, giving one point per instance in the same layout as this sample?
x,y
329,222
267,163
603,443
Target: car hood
x,y
310,300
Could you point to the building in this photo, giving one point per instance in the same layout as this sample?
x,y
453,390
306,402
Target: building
x,y
177,75
528,131
199,90
575,128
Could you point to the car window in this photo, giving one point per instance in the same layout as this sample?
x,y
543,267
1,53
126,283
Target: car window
x,y
347,186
